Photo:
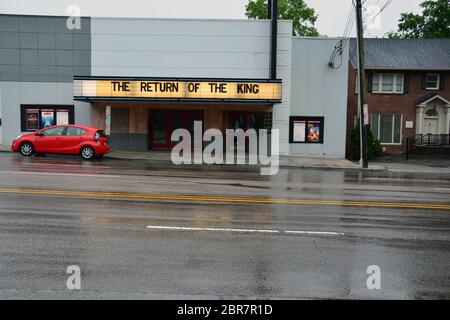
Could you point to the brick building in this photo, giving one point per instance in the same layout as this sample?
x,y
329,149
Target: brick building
x,y
407,89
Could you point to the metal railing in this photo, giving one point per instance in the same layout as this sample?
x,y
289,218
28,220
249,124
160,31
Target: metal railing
x,y
425,146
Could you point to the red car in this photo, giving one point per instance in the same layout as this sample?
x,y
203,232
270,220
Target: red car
x,y
89,142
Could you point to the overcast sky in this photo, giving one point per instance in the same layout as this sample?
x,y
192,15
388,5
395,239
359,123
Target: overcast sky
x,y
331,21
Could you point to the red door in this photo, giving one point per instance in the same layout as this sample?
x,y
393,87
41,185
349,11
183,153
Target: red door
x,y
163,122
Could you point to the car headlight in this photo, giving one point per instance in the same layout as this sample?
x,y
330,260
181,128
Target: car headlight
x,y
20,136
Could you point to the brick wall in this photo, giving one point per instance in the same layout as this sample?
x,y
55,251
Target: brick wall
x,y
391,103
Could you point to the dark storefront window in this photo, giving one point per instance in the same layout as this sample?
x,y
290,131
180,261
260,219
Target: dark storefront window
x,y
35,117
306,130
250,120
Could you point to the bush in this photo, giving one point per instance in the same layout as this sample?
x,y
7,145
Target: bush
x,y
373,145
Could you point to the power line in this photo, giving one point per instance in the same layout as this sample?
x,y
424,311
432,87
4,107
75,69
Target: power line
x,y
340,46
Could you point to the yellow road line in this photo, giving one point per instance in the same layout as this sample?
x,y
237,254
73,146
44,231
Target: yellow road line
x,y
227,199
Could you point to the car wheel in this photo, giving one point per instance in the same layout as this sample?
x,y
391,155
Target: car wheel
x,y
26,149
87,153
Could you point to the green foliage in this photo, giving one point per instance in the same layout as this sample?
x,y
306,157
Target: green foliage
x,y
303,17
373,145
434,22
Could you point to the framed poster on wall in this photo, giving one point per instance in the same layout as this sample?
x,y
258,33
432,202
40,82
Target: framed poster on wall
x,y
32,119
36,117
306,129
62,116
47,118
299,131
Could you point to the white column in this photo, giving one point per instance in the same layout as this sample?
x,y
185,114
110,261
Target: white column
x,y
108,120
447,119
419,118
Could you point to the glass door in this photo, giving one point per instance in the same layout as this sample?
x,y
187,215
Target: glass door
x,y
162,123
176,118
158,130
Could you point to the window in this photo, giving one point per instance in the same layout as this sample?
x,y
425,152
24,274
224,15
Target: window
x,y
432,113
53,131
306,129
388,83
36,117
432,81
386,127
74,131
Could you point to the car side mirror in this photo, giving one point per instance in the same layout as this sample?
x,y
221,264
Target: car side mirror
x,y
39,134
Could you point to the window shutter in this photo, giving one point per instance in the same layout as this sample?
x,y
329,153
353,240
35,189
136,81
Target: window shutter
x,y
424,81
406,83
370,82
442,81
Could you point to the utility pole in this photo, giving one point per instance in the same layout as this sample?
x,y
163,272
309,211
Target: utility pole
x,y
362,125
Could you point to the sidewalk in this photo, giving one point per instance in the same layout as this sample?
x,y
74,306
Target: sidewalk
x,y
392,163
4,148
285,161
398,163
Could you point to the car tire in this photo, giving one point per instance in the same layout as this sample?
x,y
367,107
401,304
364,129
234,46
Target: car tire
x,y
87,153
26,149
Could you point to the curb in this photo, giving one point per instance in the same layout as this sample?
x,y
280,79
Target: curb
x,y
330,168
314,167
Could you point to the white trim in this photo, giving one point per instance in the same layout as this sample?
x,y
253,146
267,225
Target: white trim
x,y
438,82
394,83
424,103
393,128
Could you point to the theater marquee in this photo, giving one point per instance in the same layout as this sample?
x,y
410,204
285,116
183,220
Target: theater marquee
x,y
177,89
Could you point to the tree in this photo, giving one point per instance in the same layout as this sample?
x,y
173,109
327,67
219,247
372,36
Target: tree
x,y
374,149
434,22
303,17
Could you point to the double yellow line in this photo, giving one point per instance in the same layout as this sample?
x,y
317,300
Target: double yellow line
x,y
226,199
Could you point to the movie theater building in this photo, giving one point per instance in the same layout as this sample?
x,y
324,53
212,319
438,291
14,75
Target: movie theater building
x,y
144,78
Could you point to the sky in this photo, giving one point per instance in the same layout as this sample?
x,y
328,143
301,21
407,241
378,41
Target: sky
x,y
331,21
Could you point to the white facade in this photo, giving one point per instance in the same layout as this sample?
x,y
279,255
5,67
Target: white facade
x,y
13,94
194,48
177,48
318,90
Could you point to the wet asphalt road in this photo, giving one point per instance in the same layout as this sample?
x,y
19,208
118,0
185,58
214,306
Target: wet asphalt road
x,y
62,211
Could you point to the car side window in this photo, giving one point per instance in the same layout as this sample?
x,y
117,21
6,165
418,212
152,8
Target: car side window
x,y
74,131
58,131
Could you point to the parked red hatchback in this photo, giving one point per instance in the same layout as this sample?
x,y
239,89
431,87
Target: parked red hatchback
x,y
89,142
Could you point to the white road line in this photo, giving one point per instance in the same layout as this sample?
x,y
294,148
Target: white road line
x,y
442,189
172,228
61,174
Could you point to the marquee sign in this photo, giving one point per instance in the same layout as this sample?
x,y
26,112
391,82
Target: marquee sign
x,y
177,89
